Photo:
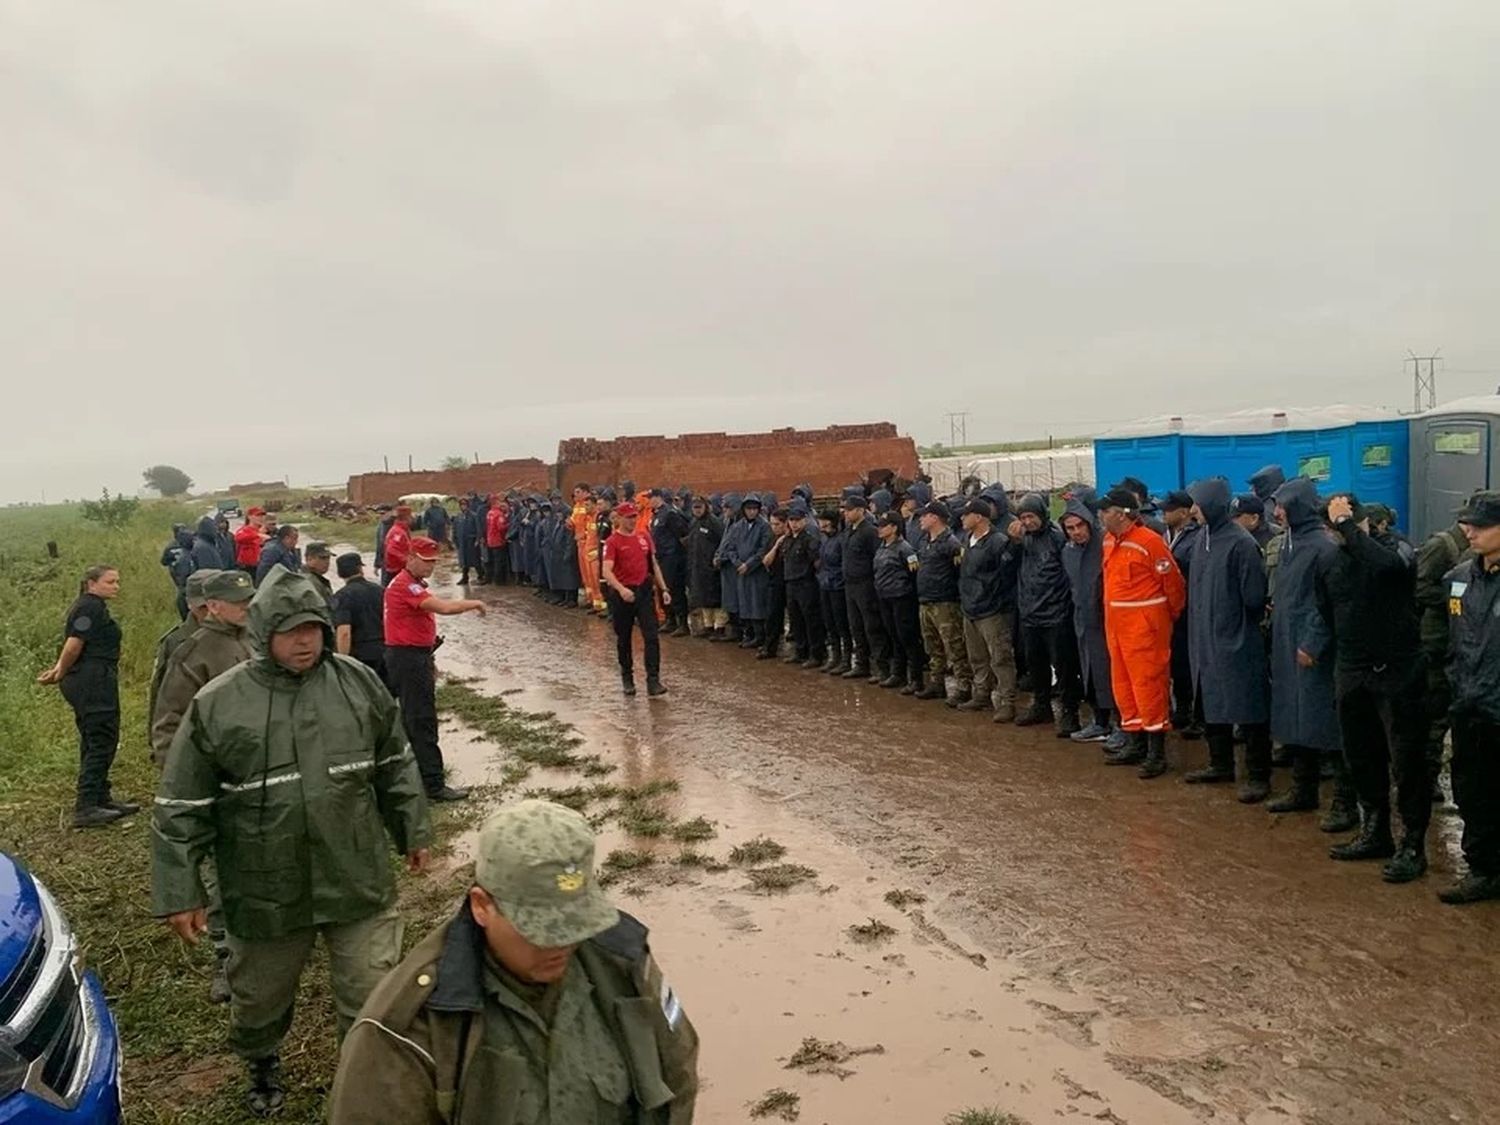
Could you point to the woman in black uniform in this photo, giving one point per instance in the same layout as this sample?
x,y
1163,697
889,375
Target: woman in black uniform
x,y
88,672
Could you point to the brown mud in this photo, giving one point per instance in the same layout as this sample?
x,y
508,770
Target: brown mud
x,y
1090,946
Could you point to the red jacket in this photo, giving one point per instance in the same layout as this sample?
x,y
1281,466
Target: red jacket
x,y
397,546
247,544
496,525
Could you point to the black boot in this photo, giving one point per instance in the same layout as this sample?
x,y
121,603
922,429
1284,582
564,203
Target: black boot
x,y
1156,756
1134,753
266,1094
654,687
933,689
1343,811
627,681
95,817
1257,784
896,679
831,658
960,697
816,661
857,670
1473,887
1303,795
1220,766
913,684
1067,723
1410,860
1035,715
1374,839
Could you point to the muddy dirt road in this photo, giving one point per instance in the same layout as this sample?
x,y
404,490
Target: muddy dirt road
x,y
1090,946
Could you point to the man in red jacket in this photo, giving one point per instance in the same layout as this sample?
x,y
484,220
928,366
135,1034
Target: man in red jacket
x,y
496,540
397,544
1143,594
248,541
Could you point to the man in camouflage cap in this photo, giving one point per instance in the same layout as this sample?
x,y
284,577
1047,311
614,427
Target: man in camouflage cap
x,y
220,643
168,642
538,1002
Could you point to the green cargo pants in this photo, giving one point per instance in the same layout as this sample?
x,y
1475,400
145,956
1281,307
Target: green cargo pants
x,y
992,656
943,638
263,977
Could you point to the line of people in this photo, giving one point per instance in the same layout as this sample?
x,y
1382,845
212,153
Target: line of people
x,y
1302,626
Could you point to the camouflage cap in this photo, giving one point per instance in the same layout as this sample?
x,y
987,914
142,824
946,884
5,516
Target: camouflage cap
x,y
536,859
228,586
195,589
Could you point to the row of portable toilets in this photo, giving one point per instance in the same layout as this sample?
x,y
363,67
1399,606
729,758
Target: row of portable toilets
x,y
1421,466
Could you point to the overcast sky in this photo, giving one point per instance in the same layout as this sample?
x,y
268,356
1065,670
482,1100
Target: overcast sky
x,y
283,238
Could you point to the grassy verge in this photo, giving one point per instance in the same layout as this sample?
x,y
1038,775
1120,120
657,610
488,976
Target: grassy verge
x,y
176,1069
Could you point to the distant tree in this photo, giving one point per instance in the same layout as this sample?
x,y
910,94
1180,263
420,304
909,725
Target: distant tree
x,y
111,511
457,461
167,479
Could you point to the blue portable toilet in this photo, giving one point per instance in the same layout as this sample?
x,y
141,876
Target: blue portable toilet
x,y
1150,449
1379,467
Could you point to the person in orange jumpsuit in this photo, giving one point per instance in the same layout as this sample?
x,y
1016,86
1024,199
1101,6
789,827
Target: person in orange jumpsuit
x,y
586,535
1143,594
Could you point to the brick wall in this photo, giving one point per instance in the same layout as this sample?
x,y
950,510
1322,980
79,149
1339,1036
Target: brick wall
x,y
481,477
827,459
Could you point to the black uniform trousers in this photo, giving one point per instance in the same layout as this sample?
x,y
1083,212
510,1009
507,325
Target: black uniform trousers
x,y
903,626
413,679
865,627
805,609
836,617
498,566
674,573
1049,649
775,619
625,616
92,689
1182,674
1475,770
1383,717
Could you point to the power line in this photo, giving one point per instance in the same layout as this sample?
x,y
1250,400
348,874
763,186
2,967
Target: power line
x,y
1424,383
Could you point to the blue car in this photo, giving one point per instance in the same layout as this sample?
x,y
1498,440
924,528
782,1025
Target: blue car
x,y
59,1050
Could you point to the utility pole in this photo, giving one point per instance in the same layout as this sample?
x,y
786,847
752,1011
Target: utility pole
x,y
958,428
1424,383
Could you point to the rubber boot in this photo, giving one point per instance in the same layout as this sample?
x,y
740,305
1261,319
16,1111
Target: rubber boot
x,y
1133,754
1220,766
913,684
1035,715
627,682
655,688
266,1094
1410,860
933,687
896,679
836,656
1257,784
857,668
1303,795
816,661
1156,756
1343,812
1374,839
1067,723
1473,887
879,670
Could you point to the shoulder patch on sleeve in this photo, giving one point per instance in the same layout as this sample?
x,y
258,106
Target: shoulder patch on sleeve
x,y
82,623
1163,566
415,588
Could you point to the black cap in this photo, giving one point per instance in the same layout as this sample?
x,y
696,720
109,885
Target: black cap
x,y
851,502
1174,500
890,519
348,564
978,507
797,511
1482,510
1118,497
1248,504
939,509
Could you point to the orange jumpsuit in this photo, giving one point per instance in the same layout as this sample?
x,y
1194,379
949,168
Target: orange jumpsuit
x,y
1143,594
586,536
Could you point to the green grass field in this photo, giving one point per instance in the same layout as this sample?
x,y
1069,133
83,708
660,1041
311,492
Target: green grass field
x,y
176,1068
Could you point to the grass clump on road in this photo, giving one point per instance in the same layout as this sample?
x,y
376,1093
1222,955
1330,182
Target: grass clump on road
x,y
780,877
872,932
530,738
778,1103
902,899
754,852
988,1116
693,831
